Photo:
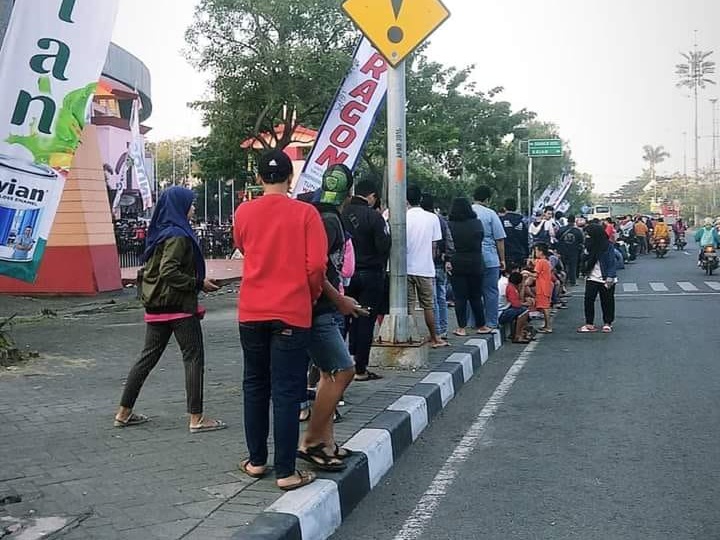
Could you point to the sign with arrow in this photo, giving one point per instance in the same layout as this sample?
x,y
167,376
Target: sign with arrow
x,y
396,27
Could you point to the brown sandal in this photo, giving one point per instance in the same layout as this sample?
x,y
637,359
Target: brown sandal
x,y
244,468
306,477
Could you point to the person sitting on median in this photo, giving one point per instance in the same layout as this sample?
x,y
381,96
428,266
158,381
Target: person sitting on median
x,y
327,347
515,312
285,249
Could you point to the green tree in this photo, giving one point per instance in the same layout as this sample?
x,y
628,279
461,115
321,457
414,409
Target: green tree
x,y
271,63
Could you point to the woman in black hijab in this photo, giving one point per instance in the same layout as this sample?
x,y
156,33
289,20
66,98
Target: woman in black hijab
x,y
601,272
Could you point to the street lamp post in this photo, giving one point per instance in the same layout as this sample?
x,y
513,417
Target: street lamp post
x,y
714,102
695,74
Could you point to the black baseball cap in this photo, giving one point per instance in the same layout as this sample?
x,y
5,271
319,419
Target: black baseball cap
x,y
275,166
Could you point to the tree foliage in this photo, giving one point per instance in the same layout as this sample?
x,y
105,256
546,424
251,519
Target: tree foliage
x,y
279,62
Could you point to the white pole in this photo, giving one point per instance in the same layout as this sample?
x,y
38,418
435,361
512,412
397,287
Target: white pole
x,y
232,198
530,186
206,202
219,202
398,327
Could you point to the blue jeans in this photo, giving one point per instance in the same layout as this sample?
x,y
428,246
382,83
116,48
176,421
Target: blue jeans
x,y
275,365
491,296
441,307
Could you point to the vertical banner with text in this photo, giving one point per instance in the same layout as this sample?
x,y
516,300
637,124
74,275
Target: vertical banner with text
x,y
50,64
350,119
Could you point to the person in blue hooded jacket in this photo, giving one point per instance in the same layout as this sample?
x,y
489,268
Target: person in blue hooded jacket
x,y
601,272
708,236
173,275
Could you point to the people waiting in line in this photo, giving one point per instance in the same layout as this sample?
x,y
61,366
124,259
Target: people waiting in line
x,y
424,233
285,249
493,255
371,240
467,265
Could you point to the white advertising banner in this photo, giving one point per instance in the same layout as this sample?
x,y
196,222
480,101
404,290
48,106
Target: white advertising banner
x,y
562,191
544,199
137,154
50,63
350,119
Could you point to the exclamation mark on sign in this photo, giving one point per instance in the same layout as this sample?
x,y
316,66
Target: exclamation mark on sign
x,y
395,34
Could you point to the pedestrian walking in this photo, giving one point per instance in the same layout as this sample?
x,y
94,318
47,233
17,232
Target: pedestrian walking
x,y
601,279
371,240
467,265
284,245
173,275
493,256
423,236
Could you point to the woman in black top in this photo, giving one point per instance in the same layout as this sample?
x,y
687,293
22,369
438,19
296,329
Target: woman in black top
x,y
467,263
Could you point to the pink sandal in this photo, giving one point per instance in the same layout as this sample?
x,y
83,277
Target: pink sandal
x,y
587,329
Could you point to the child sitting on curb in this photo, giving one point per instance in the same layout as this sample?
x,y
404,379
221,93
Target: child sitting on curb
x,y
516,313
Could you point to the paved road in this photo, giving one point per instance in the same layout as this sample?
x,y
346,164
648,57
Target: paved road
x,y
586,437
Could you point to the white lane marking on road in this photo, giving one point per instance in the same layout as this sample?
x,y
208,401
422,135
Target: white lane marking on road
x,y
658,287
714,285
630,287
667,295
687,286
414,526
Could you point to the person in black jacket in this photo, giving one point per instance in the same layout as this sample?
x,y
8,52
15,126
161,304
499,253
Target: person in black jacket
x,y
371,242
467,264
517,243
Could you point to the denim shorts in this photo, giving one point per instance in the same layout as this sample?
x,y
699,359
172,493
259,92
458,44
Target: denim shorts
x,y
327,348
510,314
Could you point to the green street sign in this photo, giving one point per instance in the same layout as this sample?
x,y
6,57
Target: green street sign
x,y
545,148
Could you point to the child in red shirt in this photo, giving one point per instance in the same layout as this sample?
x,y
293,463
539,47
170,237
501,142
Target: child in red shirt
x,y
543,286
517,313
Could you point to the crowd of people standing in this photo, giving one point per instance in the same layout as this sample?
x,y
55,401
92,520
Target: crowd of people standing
x,y
315,290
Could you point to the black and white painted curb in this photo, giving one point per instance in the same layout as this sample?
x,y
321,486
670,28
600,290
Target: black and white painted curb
x,y
316,511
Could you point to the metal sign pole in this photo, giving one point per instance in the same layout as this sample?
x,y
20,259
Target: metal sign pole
x,y
530,187
398,327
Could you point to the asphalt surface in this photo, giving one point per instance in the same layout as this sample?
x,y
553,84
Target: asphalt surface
x,y
600,436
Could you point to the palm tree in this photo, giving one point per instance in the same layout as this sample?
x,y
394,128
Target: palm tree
x,y
694,75
654,155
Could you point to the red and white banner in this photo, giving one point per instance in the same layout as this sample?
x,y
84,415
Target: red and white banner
x,y
350,119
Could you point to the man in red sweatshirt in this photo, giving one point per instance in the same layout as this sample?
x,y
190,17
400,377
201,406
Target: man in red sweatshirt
x,y
285,249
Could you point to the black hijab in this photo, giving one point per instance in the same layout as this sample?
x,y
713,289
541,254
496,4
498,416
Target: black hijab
x,y
597,243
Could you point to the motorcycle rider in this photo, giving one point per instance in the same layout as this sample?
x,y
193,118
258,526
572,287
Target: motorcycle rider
x,y
708,236
679,229
661,231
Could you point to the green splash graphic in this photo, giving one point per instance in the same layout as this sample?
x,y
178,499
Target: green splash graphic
x,y
57,150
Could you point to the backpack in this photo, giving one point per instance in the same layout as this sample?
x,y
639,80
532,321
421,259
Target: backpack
x,y
569,239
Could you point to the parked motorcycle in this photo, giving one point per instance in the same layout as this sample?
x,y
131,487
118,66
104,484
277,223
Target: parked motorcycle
x,y
661,248
680,242
710,260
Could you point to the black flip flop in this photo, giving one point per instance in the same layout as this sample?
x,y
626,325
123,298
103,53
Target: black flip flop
x,y
343,453
315,456
370,376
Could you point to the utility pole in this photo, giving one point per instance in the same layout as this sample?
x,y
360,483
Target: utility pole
x,y
714,102
530,186
173,163
399,327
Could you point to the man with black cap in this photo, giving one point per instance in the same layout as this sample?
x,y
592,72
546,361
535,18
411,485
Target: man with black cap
x,y
285,249
371,242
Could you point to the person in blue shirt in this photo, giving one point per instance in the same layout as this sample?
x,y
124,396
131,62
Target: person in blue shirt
x,y
493,256
23,245
707,237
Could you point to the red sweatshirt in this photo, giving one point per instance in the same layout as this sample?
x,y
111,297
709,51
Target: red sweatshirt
x,y
285,249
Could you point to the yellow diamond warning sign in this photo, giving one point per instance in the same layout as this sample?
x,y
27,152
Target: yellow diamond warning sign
x,y
396,27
